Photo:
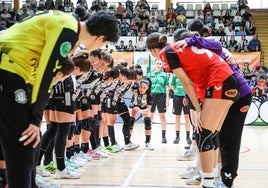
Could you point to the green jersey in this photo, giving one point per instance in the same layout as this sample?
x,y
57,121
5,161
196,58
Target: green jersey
x,y
175,82
159,82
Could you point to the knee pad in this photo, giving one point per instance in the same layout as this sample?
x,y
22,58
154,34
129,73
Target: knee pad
x,y
204,140
131,123
87,124
147,123
216,140
78,128
71,132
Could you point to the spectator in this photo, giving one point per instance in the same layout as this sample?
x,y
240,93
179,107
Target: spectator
x,y
7,17
120,10
208,19
142,32
259,72
241,31
223,41
170,32
171,9
130,47
207,9
128,13
129,4
131,33
227,18
242,4
172,23
218,24
243,42
153,13
154,24
179,9
24,13
237,20
138,9
199,15
144,16
161,18
232,47
124,27
252,81
134,26
145,6
121,47
250,27
144,24
254,44
229,30
140,45
181,17
246,16
220,32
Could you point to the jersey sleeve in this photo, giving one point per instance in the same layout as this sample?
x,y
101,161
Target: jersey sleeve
x,y
207,43
170,58
58,44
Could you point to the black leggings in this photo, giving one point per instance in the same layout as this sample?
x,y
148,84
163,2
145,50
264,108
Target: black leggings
x,y
230,138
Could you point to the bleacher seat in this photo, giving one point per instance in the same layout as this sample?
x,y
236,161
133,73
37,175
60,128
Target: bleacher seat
x,y
224,6
216,10
155,7
198,7
233,6
189,7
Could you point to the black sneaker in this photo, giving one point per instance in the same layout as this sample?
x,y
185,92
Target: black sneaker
x,y
187,147
164,140
189,141
176,141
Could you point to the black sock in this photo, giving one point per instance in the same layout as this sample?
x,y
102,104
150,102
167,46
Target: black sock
x,y
68,152
84,147
77,148
187,134
163,133
148,138
177,134
111,134
106,141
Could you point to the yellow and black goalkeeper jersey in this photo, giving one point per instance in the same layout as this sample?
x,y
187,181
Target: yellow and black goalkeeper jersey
x,y
33,49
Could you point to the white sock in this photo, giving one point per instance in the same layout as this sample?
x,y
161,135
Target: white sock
x,y
207,179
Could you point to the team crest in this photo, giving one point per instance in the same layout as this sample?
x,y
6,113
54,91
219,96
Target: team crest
x,y
65,49
84,100
92,97
113,103
20,96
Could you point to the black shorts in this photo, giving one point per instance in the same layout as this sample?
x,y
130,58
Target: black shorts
x,y
64,103
117,108
85,104
178,106
228,90
159,101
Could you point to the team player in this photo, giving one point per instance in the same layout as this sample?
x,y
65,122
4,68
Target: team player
x,y
215,78
27,70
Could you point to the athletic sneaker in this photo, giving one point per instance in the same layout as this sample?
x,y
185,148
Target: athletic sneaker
x,y
117,147
101,153
79,161
131,146
187,156
66,174
42,171
164,140
177,140
196,180
110,149
51,167
40,182
70,165
93,154
83,155
148,146
188,174
189,141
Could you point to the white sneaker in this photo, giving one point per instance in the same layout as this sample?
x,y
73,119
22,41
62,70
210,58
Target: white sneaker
x,y
131,146
187,156
83,155
148,146
117,147
40,182
66,174
42,171
196,180
77,160
101,153
188,174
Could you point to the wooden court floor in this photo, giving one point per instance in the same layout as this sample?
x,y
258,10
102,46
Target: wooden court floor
x,y
159,168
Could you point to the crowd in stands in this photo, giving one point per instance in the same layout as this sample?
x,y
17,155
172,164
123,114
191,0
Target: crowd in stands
x,y
139,19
